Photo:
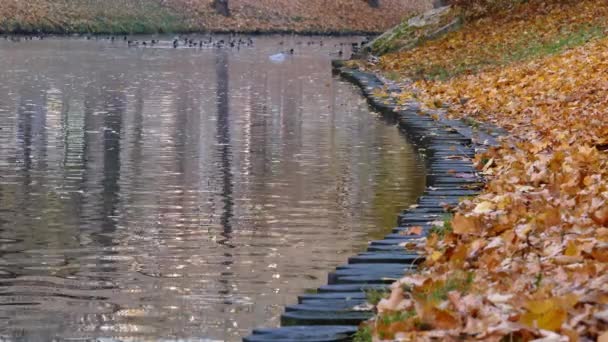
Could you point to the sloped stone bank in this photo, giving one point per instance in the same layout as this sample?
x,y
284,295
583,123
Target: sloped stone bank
x,y
335,310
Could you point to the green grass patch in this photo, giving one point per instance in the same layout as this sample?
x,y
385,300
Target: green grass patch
x,y
529,47
374,296
96,17
364,334
397,316
460,282
534,48
443,229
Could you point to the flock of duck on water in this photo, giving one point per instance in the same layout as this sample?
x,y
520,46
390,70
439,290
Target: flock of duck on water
x,y
187,42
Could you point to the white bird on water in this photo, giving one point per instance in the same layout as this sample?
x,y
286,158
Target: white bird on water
x,y
281,56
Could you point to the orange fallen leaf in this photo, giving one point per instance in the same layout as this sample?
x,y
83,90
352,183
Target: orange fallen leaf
x,y
416,230
600,253
462,224
600,216
444,319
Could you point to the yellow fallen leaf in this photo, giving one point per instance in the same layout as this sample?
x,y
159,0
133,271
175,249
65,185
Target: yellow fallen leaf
x,y
549,320
484,208
571,249
548,314
436,255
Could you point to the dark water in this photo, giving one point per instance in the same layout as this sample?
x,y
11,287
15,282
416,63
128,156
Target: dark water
x,y
161,194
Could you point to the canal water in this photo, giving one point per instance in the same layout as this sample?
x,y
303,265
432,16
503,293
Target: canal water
x,y
162,194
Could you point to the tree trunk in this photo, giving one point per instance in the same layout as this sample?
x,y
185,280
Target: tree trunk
x,y
374,3
221,6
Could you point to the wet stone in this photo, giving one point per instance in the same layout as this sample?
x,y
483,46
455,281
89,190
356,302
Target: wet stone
x,y
394,241
404,237
439,180
343,306
452,192
369,271
413,216
324,317
385,248
439,155
425,210
438,198
365,268
449,169
350,288
451,149
334,302
368,279
447,201
303,334
406,231
345,295
450,162
385,257
450,138
406,227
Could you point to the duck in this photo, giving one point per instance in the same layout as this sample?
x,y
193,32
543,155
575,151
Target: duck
x,y
278,58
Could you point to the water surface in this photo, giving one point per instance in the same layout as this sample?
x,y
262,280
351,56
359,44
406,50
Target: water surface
x,y
159,193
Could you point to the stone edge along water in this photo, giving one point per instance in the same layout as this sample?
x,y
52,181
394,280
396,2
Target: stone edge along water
x,y
335,310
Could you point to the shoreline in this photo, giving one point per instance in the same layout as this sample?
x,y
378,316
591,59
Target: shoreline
x,y
334,312
256,32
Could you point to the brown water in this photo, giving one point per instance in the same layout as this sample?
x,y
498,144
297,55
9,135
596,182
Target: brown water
x,y
159,194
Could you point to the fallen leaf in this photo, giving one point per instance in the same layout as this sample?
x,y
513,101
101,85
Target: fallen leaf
x,y
462,224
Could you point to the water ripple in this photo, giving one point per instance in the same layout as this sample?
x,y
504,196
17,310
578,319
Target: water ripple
x,y
182,194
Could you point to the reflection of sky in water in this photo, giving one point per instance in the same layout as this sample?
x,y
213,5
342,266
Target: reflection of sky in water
x,y
160,193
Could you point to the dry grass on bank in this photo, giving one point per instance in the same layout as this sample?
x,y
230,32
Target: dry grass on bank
x,y
139,16
306,15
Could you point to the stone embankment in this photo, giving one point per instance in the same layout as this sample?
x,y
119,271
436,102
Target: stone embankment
x,y
335,310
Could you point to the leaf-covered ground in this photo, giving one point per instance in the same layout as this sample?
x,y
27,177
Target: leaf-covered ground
x,y
528,259
148,16
505,37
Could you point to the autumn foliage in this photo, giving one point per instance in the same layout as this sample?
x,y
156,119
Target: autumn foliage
x,y
527,259
144,16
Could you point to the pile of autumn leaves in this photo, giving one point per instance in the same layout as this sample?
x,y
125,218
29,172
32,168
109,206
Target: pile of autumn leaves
x,y
527,259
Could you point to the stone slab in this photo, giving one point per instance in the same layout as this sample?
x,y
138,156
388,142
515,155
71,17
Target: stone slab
x,y
324,317
303,334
